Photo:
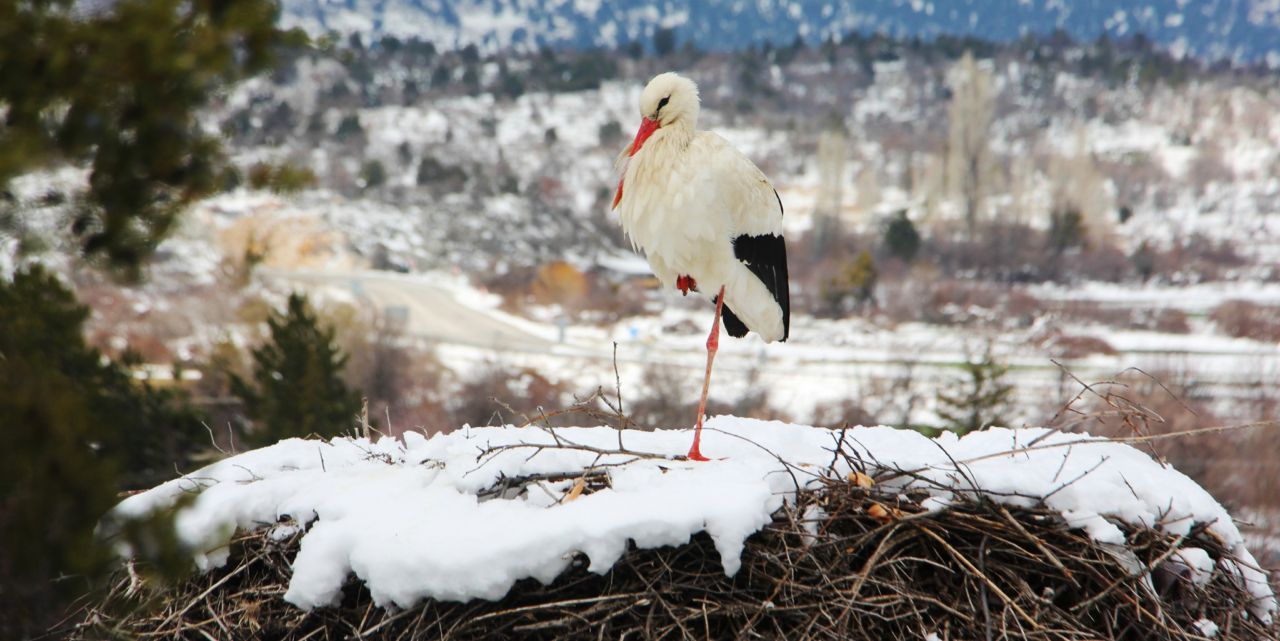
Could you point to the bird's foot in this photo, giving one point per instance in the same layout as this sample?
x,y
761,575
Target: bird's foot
x,y
695,451
686,284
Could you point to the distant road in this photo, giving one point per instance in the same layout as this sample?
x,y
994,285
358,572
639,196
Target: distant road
x,y
434,313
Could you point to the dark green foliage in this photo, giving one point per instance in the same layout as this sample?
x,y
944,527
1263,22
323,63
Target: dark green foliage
x,y
78,429
145,430
411,93
979,399
1144,261
852,287
510,84
284,178
316,127
440,77
297,385
433,172
565,71
583,72
421,49
471,79
785,55
279,124
901,237
349,128
634,49
373,174
470,54
664,42
117,89
1066,229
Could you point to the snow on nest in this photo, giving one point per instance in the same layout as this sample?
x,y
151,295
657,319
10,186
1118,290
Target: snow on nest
x,y
419,519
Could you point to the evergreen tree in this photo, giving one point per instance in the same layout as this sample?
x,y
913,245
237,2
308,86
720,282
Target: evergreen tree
x,y
117,88
349,128
1066,229
901,237
978,400
373,174
298,389
78,430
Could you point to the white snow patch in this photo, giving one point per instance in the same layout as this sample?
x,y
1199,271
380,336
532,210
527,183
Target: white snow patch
x,y
413,520
1197,562
1207,628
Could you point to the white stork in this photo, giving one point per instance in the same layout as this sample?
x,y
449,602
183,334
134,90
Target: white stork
x,y
706,218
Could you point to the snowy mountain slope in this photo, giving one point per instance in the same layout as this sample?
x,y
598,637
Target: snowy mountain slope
x,y
467,538
1239,30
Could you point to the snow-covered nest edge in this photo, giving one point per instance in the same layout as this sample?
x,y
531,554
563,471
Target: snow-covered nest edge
x,y
466,515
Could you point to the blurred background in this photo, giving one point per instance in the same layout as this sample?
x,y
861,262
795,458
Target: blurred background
x,y
225,222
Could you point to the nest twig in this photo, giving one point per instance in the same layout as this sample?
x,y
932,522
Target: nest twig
x,y
844,561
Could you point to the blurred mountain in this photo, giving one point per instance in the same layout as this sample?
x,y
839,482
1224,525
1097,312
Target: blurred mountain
x,y
1239,30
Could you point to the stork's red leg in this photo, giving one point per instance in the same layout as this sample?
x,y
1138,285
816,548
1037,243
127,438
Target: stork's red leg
x,y
713,344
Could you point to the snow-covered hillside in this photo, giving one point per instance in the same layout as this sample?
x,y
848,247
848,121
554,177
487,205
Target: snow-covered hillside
x,y
1246,31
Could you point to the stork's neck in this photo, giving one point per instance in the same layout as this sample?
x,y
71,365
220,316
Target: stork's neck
x,y
675,136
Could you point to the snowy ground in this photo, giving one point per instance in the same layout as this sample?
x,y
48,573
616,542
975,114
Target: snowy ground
x,y
463,539
823,361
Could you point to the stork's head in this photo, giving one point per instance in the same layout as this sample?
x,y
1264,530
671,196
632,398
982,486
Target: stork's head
x,y
669,100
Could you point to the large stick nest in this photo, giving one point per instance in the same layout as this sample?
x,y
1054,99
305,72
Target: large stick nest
x,y
844,562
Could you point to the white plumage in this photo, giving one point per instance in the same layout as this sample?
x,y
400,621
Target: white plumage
x,y
687,196
706,218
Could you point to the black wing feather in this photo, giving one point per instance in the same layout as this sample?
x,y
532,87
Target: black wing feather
x,y
766,257
732,323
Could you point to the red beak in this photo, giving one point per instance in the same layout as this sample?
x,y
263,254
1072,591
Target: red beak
x,y
647,127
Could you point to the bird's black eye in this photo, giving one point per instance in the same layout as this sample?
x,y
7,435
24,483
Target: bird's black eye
x,y
662,103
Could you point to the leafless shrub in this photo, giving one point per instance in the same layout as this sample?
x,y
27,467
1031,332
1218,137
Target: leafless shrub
x,y
1089,311
752,403
1166,320
665,403
843,413
513,286
610,300
1097,261
1069,346
498,396
402,380
1004,251
1243,319
948,301
1208,167
1195,258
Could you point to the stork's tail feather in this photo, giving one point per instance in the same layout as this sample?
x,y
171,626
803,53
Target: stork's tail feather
x,y
732,323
